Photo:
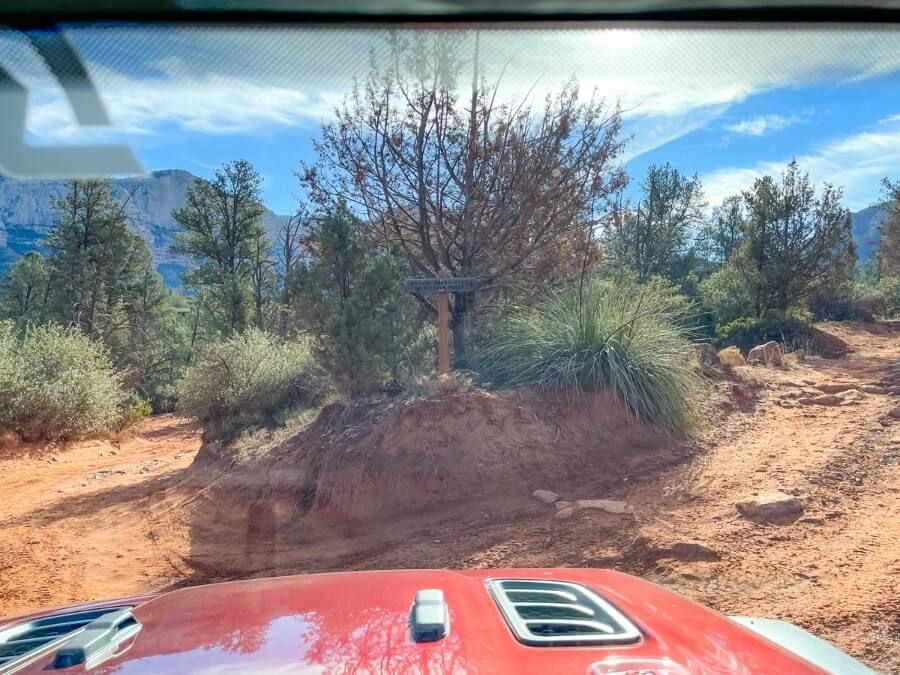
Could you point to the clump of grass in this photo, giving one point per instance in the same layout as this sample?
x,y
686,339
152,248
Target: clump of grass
x,y
598,336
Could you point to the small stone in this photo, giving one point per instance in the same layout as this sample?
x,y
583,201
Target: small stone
x,y
878,391
826,400
769,354
810,520
545,496
836,387
565,514
894,412
608,505
771,507
690,551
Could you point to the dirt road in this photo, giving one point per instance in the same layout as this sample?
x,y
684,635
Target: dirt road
x,y
94,520
74,521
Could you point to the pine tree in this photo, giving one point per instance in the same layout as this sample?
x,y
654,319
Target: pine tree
x,y
223,233
795,244
650,237
24,289
350,295
97,266
888,254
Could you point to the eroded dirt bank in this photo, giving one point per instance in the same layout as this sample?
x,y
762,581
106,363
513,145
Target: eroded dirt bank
x,y
426,488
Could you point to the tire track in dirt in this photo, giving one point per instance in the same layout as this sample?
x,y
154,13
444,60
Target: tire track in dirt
x,y
75,519
835,571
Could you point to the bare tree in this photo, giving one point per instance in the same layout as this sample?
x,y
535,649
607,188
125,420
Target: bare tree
x,y
290,248
465,185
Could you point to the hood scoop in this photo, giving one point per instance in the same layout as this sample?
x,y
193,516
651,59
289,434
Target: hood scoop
x,y
559,613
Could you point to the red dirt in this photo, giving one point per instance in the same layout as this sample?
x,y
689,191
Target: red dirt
x,y
447,483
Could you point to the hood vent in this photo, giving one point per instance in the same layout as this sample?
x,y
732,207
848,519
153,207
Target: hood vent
x,y
23,643
559,613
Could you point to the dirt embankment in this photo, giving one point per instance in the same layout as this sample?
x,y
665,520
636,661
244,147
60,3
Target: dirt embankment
x,y
447,483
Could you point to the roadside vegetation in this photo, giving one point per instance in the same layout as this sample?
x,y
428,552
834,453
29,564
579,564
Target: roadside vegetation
x,y
598,335
251,380
55,384
580,288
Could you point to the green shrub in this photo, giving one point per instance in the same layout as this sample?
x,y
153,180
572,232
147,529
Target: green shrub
x,y
886,298
619,337
726,294
250,380
134,411
56,384
746,333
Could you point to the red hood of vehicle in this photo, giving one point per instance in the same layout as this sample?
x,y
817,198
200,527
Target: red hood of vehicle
x,y
357,622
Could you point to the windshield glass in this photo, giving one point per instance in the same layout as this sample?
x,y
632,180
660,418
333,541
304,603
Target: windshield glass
x,y
305,299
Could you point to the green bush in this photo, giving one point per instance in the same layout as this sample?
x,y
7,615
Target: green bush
x,y
134,411
610,336
250,380
726,294
746,333
56,384
885,296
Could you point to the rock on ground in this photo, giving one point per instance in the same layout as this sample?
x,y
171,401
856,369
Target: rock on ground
x,y
608,505
769,354
771,507
566,509
545,496
732,357
836,387
826,400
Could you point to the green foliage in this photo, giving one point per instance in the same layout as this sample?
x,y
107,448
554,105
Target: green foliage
x,y
724,232
748,332
24,289
97,266
351,297
726,294
605,336
134,411
649,238
222,231
795,244
250,379
56,384
100,277
888,254
882,296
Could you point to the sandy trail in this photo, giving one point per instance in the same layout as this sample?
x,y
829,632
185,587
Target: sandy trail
x,y
74,521
100,520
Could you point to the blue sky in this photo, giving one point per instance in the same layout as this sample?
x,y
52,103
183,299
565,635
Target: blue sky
x,y
727,104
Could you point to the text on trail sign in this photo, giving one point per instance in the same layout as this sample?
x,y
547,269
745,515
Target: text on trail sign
x,y
442,285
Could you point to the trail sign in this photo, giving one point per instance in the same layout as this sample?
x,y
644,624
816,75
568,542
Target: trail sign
x,y
443,286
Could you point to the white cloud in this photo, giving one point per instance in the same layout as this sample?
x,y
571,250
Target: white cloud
x,y
215,81
856,163
763,124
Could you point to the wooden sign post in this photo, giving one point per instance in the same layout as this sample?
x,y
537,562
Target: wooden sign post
x,y
442,287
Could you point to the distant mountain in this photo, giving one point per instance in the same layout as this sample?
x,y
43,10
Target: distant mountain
x,y
26,215
866,232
